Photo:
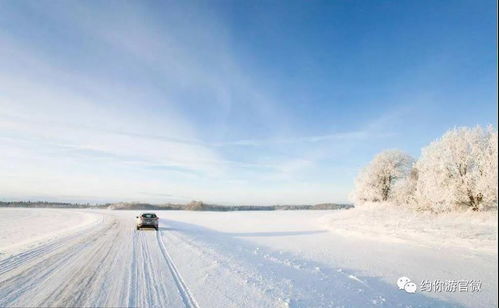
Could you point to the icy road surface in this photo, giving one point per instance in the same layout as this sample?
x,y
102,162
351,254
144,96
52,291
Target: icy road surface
x,y
213,259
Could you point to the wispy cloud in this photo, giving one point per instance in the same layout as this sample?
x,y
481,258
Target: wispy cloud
x,y
350,136
126,105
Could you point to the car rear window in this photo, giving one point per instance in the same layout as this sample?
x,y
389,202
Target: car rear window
x,y
149,215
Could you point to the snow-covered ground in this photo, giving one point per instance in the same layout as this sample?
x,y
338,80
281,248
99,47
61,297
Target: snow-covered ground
x,y
240,259
473,230
23,229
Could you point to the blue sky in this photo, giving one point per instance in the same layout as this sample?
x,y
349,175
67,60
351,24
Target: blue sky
x,y
247,102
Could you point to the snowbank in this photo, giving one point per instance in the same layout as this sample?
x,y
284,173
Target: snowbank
x,y
23,228
474,230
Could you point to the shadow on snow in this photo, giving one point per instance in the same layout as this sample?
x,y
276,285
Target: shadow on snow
x,y
303,282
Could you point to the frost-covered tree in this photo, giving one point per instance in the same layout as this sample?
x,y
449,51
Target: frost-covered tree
x,y
404,190
376,182
459,170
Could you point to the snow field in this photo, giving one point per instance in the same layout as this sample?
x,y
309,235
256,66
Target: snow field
x,y
476,231
23,228
237,259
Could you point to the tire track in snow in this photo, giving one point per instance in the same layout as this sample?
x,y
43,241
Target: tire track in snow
x,y
186,295
250,283
13,288
23,258
78,289
27,272
81,270
132,285
149,288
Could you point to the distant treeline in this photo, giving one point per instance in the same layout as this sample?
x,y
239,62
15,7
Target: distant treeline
x,y
192,206
47,204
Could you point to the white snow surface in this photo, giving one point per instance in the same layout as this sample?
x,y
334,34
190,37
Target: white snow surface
x,y
233,259
385,222
23,228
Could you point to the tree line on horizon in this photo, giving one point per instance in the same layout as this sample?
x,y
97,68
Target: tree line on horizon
x,y
191,206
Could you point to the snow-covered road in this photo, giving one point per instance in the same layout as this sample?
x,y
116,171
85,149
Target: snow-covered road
x,y
109,264
251,259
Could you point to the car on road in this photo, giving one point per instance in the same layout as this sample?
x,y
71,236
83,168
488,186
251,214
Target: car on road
x,y
147,220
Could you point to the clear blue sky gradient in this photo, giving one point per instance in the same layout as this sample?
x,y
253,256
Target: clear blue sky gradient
x,y
248,102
